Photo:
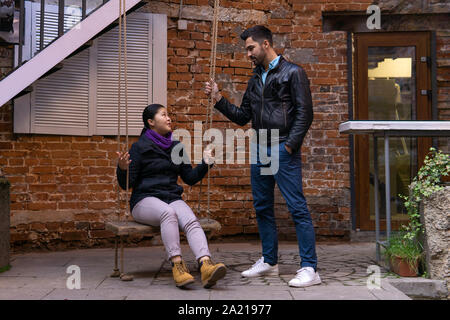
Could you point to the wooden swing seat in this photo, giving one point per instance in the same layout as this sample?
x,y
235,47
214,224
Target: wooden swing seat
x,y
127,228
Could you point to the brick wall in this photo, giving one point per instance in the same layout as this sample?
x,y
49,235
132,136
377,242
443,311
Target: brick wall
x,y
297,34
63,187
443,81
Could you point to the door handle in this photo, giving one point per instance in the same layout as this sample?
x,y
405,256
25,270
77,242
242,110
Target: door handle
x,y
425,92
425,59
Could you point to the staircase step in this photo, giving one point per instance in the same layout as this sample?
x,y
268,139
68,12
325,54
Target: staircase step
x,y
82,48
25,91
29,89
116,22
14,69
58,67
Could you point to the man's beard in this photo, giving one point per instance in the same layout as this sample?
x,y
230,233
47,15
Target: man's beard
x,y
257,61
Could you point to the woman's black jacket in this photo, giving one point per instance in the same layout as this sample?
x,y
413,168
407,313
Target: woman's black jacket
x,y
153,173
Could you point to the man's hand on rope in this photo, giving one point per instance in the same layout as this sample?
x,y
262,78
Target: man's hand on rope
x,y
207,155
124,160
212,89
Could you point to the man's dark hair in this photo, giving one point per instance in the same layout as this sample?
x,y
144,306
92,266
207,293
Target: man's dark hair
x,y
259,34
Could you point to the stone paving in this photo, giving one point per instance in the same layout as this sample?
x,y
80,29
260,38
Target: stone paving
x,y
342,268
338,264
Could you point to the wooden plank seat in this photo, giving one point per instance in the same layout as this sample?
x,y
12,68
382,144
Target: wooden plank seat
x,y
123,229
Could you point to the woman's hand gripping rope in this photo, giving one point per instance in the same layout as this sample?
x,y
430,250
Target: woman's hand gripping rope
x,y
207,155
124,160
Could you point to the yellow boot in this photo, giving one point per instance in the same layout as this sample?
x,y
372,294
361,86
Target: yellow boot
x,y
211,272
181,274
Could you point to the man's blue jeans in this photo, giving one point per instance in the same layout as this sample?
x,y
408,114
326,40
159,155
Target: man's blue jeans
x,y
289,181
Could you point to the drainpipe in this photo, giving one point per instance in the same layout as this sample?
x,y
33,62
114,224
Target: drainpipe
x,y
182,24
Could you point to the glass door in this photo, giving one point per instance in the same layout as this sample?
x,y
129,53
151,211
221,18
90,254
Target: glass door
x,y
390,73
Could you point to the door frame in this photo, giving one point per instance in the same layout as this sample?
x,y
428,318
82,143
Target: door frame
x,y
422,42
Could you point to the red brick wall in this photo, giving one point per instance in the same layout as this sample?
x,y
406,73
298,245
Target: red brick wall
x,y
443,81
63,187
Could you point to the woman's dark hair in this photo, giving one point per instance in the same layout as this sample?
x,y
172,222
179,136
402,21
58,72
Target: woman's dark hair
x,y
149,113
259,34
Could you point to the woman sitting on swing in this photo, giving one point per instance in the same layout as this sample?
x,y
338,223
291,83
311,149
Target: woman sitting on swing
x,y
156,197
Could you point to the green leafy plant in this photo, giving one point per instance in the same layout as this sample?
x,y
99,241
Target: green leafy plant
x,y
406,244
426,182
5,268
409,250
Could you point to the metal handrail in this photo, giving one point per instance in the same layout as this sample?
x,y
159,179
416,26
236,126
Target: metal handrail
x,y
61,4
83,9
41,41
21,31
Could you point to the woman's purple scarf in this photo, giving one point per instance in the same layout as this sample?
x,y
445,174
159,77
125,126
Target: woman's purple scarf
x,y
159,140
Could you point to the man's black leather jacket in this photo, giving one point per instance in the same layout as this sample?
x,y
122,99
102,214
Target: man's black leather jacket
x,y
283,103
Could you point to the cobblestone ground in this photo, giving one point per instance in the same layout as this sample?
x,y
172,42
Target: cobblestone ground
x,y
337,264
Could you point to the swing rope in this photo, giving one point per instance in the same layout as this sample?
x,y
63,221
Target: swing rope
x,y
211,224
209,110
123,61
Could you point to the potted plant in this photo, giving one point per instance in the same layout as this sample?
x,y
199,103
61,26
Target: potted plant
x,y
404,250
404,255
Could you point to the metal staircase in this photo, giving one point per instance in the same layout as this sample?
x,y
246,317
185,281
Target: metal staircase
x,y
69,41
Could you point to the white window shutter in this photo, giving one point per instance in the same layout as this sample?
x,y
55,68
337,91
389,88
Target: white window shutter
x,y
60,101
139,74
159,70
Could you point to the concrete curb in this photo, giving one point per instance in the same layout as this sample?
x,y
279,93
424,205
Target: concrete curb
x,y
421,287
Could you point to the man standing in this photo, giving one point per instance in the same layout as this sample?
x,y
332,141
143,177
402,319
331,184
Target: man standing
x,y
277,97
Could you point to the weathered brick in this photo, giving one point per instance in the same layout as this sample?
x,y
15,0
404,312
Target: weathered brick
x,y
53,226
74,235
82,225
15,237
70,225
97,225
38,226
101,234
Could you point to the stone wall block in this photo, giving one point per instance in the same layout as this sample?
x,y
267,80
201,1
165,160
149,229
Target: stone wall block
x,y
436,218
4,222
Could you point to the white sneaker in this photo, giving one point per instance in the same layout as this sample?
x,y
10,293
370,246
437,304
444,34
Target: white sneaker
x,y
305,277
260,268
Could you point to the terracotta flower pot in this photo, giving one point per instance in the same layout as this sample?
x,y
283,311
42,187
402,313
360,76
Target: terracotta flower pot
x,y
401,267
